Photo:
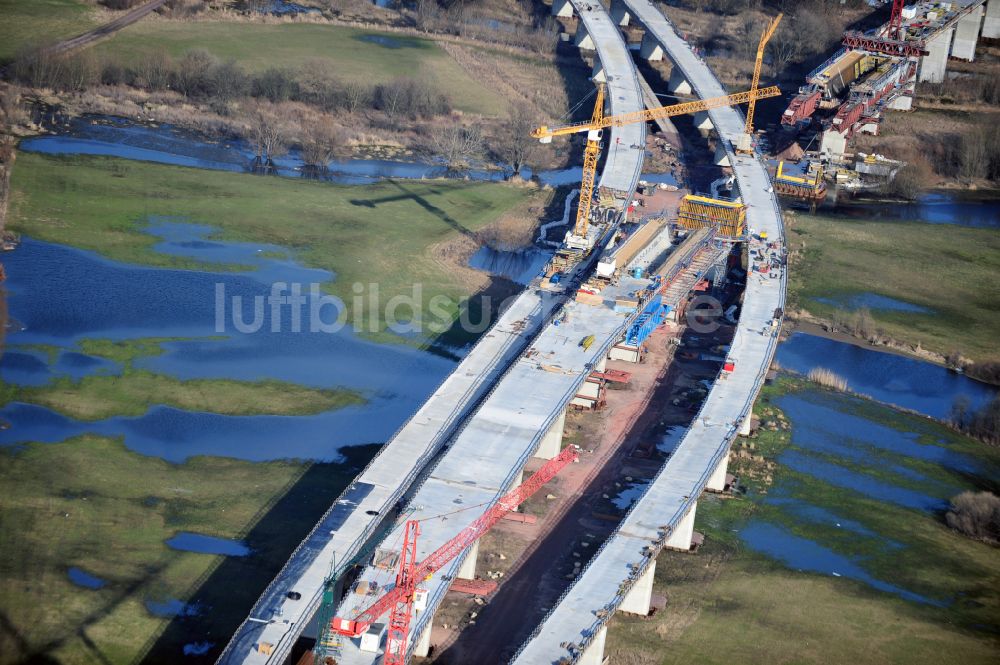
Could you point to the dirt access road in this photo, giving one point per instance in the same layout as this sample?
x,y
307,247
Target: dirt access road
x,y
577,521
111,27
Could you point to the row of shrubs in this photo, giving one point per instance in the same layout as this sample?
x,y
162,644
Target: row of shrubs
x,y
201,76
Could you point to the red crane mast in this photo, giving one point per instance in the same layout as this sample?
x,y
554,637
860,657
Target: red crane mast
x,y
399,600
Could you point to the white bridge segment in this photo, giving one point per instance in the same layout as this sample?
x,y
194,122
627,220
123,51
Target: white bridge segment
x,y
578,618
626,146
347,525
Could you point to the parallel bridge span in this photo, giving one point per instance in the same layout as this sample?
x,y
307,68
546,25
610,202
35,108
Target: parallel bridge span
x,y
620,576
491,414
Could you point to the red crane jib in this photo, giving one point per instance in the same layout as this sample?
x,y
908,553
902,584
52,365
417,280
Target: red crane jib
x,y
410,573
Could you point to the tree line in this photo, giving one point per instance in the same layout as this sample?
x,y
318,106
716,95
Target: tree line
x,y
200,76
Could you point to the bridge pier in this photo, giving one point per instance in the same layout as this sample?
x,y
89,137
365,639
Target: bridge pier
x,y
650,49
991,24
934,64
746,424
681,537
422,647
721,156
702,121
619,13
562,8
468,569
638,598
583,39
677,84
551,443
717,481
597,74
594,655
967,35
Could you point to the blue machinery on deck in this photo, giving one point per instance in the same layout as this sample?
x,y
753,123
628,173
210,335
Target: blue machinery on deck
x,y
653,314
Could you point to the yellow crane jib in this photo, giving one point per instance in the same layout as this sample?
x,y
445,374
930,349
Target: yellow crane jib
x,y
764,38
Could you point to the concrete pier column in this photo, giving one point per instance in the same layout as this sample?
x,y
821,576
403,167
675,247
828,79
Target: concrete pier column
x,y
745,425
721,156
551,443
619,13
680,539
563,8
601,365
597,74
594,655
650,49
991,24
967,35
639,596
677,84
717,481
703,122
468,569
583,40
422,647
934,64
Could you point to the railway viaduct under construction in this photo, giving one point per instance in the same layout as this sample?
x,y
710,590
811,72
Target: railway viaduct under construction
x,y
506,401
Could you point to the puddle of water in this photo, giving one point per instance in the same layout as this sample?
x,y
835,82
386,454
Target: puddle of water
x,y
630,494
170,608
520,266
671,439
202,544
932,208
906,382
822,425
384,41
24,368
660,178
873,301
841,476
822,516
803,554
84,579
197,648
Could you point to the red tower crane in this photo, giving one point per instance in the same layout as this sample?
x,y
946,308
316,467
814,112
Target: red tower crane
x,y
399,600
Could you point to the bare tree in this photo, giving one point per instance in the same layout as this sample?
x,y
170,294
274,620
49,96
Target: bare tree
x,y
268,132
458,145
323,141
356,96
515,144
783,47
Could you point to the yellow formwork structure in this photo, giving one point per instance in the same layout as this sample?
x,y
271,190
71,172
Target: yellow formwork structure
x,y
727,217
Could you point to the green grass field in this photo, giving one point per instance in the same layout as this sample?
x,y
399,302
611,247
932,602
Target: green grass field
x,y
91,503
950,270
379,233
31,22
352,54
97,397
731,604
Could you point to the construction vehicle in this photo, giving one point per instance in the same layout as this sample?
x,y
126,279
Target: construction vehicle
x,y
400,599
745,145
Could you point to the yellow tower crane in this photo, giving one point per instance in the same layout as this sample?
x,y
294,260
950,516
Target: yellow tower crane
x,y
599,121
746,145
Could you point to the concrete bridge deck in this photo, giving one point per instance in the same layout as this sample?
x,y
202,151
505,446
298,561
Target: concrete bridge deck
x,y
619,577
364,506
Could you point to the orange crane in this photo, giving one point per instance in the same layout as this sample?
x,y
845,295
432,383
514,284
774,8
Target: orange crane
x,y
599,121
746,145
398,601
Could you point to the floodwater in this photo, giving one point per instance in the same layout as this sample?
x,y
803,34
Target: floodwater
x,y
832,445
167,144
630,494
59,295
85,579
196,542
171,607
906,382
935,208
873,301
